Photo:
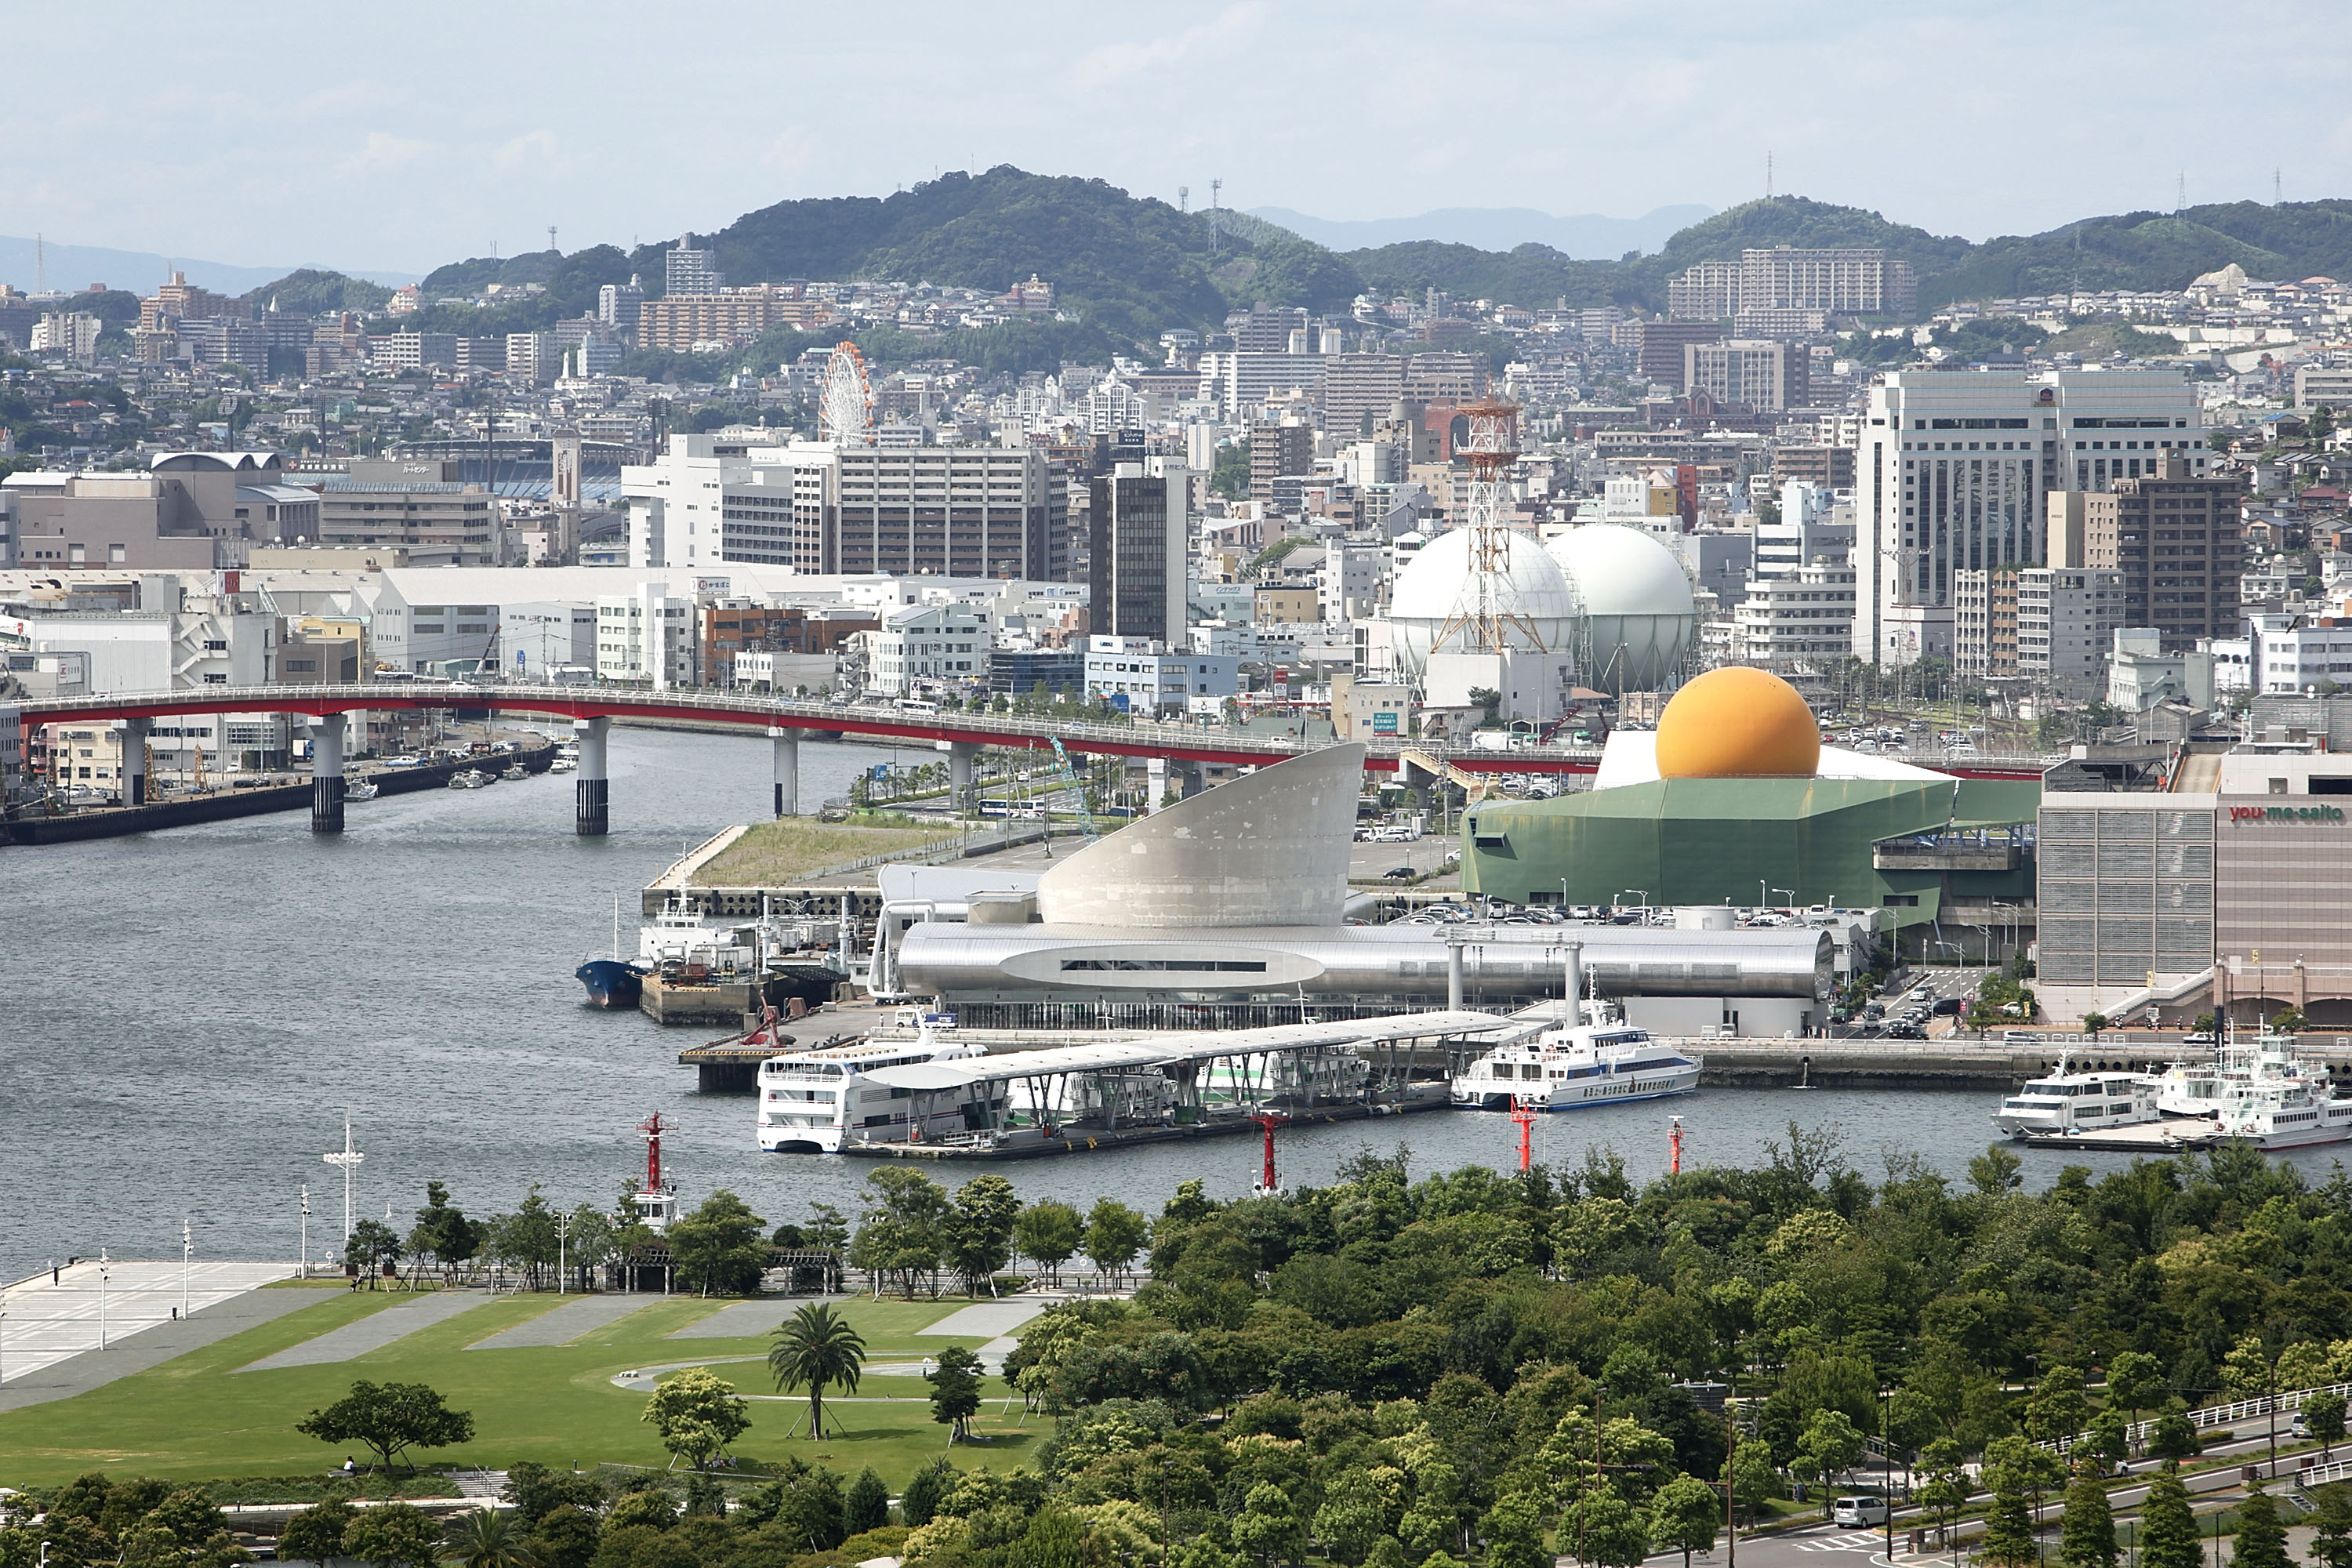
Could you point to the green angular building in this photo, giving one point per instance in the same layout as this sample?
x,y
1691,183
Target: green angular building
x,y
1929,853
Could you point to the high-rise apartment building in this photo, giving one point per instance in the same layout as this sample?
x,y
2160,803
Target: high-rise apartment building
x,y
687,271
951,511
1135,559
2066,620
1267,331
2179,541
1835,281
618,304
1658,347
1984,623
1954,470
1277,452
1357,388
1755,373
1807,617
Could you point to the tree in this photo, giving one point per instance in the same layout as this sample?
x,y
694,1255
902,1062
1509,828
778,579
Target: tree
x,y
2094,1024
2173,1436
371,1245
1114,1234
698,1415
316,1533
2331,1540
444,1233
816,1348
392,1535
1829,1446
527,1238
2262,1538
2322,1417
955,1390
2168,1527
868,1506
390,1418
1947,1488
1360,1508
1996,1172
537,1491
720,1247
903,1228
2087,1526
1685,1514
2009,1541
1603,1529
2135,1380
979,1230
1266,1527
1048,1231
919,1503
485,1538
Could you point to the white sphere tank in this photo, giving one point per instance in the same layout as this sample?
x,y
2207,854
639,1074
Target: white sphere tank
x,y
1438,585
1633,604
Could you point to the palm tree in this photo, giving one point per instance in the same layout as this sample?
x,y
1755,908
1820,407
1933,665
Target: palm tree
x,y
817,1347
485,1538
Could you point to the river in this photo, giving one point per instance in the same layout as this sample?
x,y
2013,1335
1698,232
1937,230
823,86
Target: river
x,y
189,1014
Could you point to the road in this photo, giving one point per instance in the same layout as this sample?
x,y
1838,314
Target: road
x,y
1804,1548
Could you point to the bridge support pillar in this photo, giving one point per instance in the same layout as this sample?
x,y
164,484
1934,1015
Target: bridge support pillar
x,y
959,769
591,794
1454,971
327,772
134,762
1184,774
788,770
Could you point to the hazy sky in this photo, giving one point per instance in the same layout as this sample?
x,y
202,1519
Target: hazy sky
x,y
407,135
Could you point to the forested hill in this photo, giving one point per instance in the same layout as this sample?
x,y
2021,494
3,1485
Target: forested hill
x,y
1131,268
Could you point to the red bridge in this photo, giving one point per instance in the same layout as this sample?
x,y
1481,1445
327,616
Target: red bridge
x,y
787,722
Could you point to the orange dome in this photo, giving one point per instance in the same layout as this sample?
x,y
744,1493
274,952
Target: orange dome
x,y
1736,722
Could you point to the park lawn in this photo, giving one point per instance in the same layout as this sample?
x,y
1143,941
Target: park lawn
x,y
196,1417
777,854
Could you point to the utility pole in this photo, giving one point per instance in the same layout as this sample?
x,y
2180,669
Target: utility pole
x,y
188,1262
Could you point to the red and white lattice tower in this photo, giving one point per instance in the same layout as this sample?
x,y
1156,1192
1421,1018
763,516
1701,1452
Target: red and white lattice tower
x,y
1489,611
845,412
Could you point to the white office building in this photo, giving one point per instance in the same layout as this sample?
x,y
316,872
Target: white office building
x,y
1152,678
710,499
648,636
1955,467
1812,527
929,648
1802,617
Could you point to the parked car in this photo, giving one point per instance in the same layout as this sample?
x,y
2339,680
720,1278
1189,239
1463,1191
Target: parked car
x,y
1400,874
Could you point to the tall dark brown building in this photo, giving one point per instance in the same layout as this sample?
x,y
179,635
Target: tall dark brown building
x,y
2180,543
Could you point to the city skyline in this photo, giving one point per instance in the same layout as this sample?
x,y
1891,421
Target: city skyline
x,y
470,132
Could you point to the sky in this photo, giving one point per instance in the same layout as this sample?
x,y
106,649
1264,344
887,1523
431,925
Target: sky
x,y
261,132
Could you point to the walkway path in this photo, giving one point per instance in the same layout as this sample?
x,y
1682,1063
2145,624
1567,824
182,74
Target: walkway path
x,y
748,1320
373,1332
564,1325
48,1337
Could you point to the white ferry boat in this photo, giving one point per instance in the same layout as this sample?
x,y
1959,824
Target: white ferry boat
x,y
2069,1103
1602,1062
817,1101
2203,1088
680,936
2285,1113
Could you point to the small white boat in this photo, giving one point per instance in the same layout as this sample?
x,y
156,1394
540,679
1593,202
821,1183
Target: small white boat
x,y
562,764
2069,1103
2202,1088
2285,1113
1602,1061
514,773
472,778
361,789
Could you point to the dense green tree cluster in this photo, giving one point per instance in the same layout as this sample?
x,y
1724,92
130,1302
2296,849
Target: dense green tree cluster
x,y
95,1522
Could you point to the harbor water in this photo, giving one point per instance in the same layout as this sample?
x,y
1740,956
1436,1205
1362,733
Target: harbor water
x,y
189,1014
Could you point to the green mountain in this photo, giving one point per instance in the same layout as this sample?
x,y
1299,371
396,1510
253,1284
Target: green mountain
x,y
1130,268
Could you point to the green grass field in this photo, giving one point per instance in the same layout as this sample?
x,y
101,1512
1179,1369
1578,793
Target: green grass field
x,y
196,1417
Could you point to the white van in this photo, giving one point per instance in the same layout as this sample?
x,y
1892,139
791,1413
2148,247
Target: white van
x,y
1858,1510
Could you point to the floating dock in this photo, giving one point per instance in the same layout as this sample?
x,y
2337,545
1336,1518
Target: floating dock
x,y
2169,1136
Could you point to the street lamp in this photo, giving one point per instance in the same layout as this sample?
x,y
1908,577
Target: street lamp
x,y
349,1159
102,1298
563,1234
187,1261
306,1231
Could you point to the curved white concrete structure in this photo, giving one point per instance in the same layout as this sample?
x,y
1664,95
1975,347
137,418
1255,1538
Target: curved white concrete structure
x,y
1269,848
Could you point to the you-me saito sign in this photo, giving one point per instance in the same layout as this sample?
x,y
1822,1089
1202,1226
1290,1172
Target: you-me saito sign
x,y
2287,813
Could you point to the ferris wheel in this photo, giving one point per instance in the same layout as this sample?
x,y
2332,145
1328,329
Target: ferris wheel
x,y
845,414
